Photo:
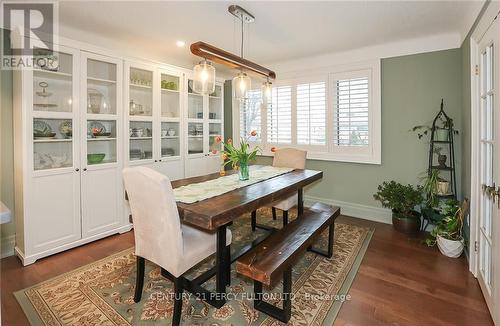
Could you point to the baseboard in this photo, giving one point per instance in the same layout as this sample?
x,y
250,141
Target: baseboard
x,y
365,212
8,244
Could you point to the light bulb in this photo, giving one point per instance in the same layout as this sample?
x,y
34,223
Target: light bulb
x,y
267,88
241,84
204,78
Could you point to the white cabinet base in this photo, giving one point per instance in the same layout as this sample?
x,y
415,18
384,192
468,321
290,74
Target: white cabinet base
x,y
30,259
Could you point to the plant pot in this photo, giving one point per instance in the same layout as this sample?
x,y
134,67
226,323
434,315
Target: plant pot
x,y
441,134
442,160
443,187
406,224
450,248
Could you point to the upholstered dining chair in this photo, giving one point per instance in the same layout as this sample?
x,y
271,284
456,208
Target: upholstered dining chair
x,y
159,235
288,158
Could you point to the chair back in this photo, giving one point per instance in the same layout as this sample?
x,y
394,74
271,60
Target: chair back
x,y
157,227
290,158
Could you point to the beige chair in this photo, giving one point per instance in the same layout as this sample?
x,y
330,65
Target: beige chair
x,y
289,158
159,235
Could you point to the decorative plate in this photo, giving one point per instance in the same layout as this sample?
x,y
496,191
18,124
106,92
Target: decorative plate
x,y
97,125
41,127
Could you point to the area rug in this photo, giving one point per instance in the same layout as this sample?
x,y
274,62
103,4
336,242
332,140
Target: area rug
x,y
101,293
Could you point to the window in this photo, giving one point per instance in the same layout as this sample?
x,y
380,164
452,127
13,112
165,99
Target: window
x,y
333,113
250,114
279,116
311,113
351,112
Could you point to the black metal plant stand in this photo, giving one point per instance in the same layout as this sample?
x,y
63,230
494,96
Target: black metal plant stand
x,y
446,165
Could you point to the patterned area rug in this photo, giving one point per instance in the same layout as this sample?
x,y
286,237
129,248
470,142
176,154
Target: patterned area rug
x,y
101,293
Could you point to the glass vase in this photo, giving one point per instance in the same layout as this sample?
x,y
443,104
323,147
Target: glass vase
x,y
243,171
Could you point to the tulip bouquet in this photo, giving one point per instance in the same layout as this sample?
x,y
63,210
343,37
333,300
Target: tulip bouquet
x,y
239,158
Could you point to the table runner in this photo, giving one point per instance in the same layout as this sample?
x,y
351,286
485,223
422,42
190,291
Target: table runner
x,y
203,190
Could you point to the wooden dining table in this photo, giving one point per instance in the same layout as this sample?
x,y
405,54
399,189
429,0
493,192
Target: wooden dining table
x,y
215,214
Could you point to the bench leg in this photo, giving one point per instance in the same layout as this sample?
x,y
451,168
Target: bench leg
x,y
139,281
274,213
284,314
254,220
331,236
285,218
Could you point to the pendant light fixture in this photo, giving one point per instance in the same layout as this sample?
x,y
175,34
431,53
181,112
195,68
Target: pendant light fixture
x,y
204,78
241,83
267,88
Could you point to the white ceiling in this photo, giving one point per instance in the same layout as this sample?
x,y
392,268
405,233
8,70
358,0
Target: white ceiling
x,y
282,30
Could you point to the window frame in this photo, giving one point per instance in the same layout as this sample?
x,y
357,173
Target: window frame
x,y
329,152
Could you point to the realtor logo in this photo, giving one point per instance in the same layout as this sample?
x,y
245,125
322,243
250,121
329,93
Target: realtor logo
x,y
28,35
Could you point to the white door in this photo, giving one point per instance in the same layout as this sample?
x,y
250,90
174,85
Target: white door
x,y
101,142
489,149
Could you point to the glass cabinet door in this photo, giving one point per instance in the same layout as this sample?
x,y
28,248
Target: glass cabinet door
x,y
214,131
140,92
102,102
195,103
170,96
170,139
53,89
53,113
52,143
215,111
141,140
101,141
101,87
195,138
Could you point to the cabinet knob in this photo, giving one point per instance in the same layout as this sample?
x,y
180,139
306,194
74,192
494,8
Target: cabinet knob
x,y
84,169
77,169
159,160
156,161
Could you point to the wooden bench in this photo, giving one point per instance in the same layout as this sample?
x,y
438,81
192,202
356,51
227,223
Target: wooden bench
x,y
274,257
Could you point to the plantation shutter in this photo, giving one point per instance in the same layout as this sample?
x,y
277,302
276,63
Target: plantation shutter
x,y
351,112
279,116
250,114
311,113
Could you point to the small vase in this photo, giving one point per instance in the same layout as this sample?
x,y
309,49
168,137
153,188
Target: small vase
x,y
442,160
243,172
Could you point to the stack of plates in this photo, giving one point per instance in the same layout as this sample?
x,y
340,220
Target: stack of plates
x,y
135,154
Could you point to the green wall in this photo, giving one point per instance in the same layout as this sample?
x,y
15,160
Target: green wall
x,y
412,88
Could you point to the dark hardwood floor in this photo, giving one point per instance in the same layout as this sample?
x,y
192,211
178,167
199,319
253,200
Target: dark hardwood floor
x,y
400,282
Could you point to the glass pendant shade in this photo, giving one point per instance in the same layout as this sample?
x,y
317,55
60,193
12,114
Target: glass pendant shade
x,y
241,84
267,88
204,78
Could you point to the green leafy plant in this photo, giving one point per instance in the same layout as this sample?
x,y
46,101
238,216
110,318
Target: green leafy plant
x,y
402,199
235,156
430,187
451,226
442,123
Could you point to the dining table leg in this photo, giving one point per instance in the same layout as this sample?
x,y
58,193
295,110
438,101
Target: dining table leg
x,y
221,279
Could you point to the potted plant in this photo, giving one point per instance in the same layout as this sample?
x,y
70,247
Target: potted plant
x,y
402,200
239,157
441,130
448,234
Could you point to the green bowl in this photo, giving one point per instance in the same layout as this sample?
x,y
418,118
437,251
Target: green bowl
x,y
95,158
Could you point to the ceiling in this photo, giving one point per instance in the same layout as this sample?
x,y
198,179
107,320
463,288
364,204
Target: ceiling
x,y
281,31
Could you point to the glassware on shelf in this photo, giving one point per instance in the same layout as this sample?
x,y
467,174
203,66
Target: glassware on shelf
x,y
95,100
66,129
44,96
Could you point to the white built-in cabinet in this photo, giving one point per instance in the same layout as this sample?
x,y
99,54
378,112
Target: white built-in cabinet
x,y
76,127
67,179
